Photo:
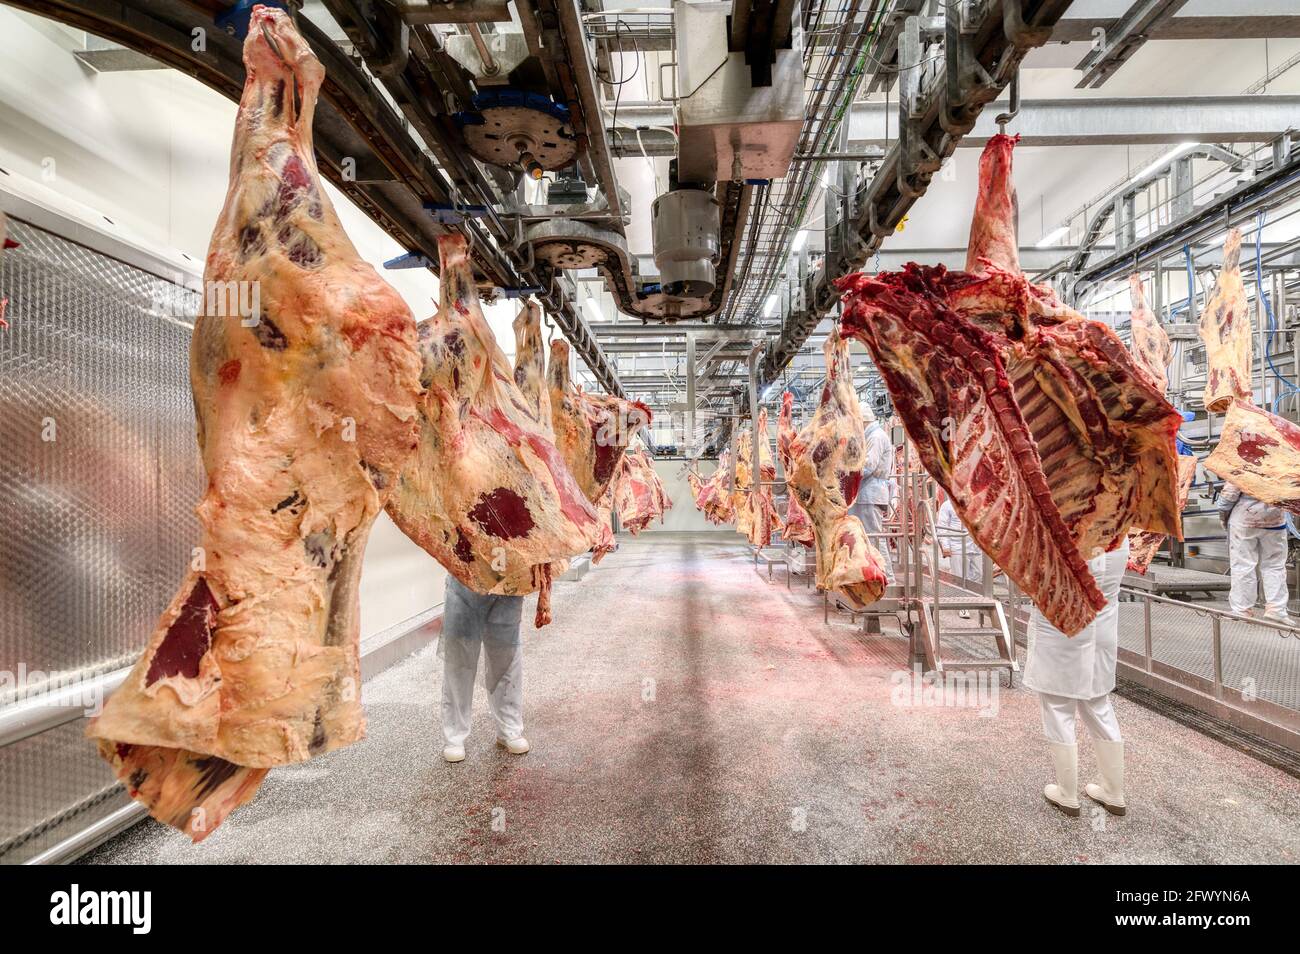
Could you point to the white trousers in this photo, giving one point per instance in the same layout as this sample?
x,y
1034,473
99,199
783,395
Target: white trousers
x,y
1059,712
1255,554
873,521
492,622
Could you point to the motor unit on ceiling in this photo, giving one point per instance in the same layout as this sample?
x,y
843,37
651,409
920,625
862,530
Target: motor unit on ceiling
x,y
685,226
728,126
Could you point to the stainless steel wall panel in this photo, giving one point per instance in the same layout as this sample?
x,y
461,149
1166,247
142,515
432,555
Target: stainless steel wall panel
x,y
99,475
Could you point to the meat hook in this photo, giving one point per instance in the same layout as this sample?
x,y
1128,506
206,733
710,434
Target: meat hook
x,y
270,41
1004,118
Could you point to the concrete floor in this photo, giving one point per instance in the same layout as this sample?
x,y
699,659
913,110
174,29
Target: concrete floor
x,y
683,709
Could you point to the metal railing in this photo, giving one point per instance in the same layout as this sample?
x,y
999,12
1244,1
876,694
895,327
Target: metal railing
x,y
1244,670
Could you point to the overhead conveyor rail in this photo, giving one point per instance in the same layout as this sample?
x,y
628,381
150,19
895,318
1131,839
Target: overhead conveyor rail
x,y
365,147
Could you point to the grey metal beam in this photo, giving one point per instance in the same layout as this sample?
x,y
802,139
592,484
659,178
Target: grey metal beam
x,y
628,329
1122,38
1196,20
1083,122
1267,191
676,346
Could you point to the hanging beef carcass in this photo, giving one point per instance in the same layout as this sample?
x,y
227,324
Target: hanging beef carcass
x,y
798,527
753,517
1144,544
306,393
639,495
1225,330
1151,352
826,470
739,491
530,367
1149,344
486,494
712,494
592,431
1050,439
1260,453
605,543
761,517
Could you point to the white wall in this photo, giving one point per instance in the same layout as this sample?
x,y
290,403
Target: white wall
x,y
683,515
150,150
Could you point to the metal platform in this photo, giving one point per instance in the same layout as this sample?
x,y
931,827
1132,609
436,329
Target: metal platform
x,y
1164,580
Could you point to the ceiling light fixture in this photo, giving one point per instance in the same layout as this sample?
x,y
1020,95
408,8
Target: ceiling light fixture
x,y
1052,237
1164,160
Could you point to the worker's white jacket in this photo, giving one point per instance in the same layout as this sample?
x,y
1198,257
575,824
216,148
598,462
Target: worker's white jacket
x,y
1246,511
878,466
1080,666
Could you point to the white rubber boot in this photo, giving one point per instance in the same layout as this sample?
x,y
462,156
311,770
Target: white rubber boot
x,y
1110,763
1064,795
515,746
453,753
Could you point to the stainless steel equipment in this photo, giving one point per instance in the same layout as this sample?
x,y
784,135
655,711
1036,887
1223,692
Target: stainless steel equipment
x,y
729,128
686,224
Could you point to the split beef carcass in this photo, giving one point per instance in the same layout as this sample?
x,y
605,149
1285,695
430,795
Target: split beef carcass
x,y
1149,343
592,431
486,494
307,411
639,495
1260,453
713,494
605,543
1144,544
798,527
1038,422
1151,351
530,366
1225,330
754,516
739,491
825,473
761,517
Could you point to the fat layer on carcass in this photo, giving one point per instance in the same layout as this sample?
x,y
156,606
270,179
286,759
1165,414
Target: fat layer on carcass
x,y
1225,330
1260,453
486,494
307,410
1049,438
825,472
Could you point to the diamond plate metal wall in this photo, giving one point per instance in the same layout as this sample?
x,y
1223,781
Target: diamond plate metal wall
x,y
99,475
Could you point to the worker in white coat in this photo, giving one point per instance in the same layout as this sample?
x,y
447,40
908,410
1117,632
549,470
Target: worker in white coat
x,y
956,543
471,620
873,501
1257,545
1073,677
